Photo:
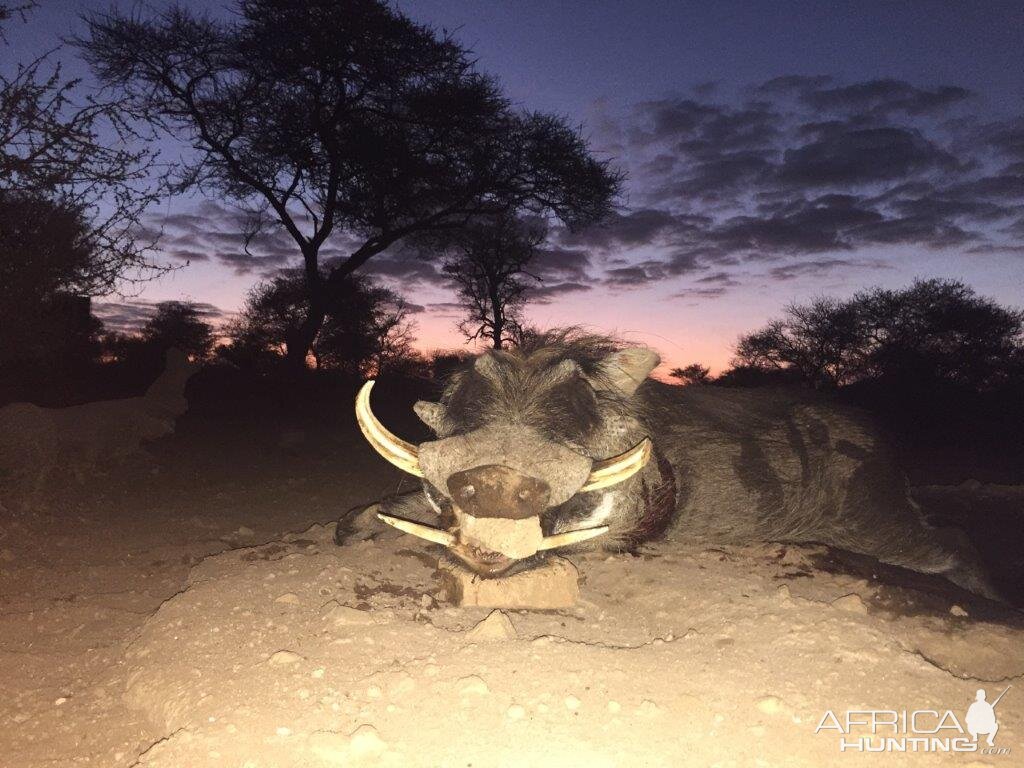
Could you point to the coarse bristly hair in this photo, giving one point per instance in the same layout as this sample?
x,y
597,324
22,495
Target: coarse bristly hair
x,y
542,383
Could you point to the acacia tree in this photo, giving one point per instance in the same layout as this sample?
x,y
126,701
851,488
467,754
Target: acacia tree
x,y
179,324
694,373
934,331
367,327
324,117
489,264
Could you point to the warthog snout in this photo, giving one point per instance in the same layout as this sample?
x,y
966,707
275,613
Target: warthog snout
x,y
494,490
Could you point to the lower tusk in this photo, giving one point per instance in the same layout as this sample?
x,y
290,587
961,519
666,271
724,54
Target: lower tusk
x,y
572,537
435,535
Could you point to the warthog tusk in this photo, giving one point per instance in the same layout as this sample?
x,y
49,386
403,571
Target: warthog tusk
x,y
435,535
572,537
448,539
619,468
400,453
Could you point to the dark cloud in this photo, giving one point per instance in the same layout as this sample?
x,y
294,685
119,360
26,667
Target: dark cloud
x,y
819,268
807,167
561,263
131,315
840,157
545,294
713,292
405,269
884,97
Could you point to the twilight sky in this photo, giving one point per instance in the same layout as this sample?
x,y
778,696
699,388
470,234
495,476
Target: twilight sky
x,y
775,151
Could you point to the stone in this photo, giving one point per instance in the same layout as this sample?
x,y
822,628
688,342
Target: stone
x,y
513,538
851,603
497,626
365,740
552,584
282,658
343,615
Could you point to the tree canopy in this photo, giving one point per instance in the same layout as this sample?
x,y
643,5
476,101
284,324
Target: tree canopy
x,y
488,262
934,331
367,329
329,118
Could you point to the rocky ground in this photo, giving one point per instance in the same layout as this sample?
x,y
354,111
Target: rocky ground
x,y
193,611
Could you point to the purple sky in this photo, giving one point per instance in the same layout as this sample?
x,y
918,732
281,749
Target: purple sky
x,y
775,151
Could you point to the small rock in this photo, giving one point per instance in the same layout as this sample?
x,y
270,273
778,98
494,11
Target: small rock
x,y
289,598
614,707
851,603
282,658
515,712
365,740
572,703
282,731
60,701
497,626
771,705
956,610
245,531
648,709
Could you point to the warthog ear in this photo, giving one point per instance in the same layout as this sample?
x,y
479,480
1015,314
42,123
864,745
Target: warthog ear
x,y
623,371
486,366
431,414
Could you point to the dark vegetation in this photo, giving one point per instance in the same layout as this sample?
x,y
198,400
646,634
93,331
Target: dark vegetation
x,y
942,366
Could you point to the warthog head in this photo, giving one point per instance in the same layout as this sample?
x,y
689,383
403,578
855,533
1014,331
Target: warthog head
x,y
531,444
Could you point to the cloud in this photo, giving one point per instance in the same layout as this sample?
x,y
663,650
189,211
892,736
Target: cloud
x,y
806,168
545,294
819,268
131,315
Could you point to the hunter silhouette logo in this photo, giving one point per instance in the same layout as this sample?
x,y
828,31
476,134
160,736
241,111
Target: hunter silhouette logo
x,y
981,716
918,730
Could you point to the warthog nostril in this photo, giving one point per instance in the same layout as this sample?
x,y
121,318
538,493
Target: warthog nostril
x,y
493,490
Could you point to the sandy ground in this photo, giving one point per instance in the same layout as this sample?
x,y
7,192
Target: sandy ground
x,y
193,611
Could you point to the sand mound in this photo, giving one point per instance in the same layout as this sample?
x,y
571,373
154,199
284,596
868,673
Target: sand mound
x,y
300,653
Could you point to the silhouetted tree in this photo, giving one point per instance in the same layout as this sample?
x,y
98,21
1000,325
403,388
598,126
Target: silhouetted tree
x,y
694,373
367,328
324,117
71,195
934,331
488,262
179,324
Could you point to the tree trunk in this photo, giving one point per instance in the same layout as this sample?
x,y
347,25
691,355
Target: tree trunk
x,y
300,342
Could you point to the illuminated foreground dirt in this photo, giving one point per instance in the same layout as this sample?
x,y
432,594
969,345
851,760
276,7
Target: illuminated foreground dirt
x,y
168,619
300,653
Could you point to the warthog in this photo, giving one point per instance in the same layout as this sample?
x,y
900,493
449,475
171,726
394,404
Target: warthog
x,y
566,442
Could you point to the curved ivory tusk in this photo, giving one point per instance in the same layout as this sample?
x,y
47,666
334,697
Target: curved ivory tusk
x,y
400,453
572,537
435,535
619,468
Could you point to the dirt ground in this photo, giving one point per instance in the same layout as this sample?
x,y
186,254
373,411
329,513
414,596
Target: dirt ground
x,y
192,610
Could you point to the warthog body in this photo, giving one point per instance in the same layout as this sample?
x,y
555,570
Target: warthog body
x,y
728,465
36,443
